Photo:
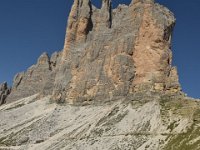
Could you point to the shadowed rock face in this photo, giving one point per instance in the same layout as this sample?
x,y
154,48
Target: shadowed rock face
x,y
4,92
38,78
108,53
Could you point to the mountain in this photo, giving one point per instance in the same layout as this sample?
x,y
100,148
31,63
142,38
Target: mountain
x,y
112,87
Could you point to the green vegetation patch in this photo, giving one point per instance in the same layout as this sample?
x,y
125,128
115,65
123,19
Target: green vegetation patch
x,y
177,106
189,140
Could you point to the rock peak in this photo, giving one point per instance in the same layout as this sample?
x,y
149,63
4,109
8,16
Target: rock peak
x,y
127,50
107,12
43,59
108,54
79,24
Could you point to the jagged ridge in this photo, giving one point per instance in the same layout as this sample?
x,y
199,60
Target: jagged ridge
x,y
118,60
108,53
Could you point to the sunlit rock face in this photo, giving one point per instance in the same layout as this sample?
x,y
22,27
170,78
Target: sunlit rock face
x,y
111,53
108,54
119,61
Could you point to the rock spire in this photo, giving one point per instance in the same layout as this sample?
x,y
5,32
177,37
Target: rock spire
x,y
108,54
126,50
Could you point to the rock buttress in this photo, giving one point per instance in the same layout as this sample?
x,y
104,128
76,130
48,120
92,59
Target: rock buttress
x,y
38,78
152,54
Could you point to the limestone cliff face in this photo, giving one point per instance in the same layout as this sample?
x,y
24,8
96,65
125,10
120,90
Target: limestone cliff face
x,y
118,59
108,54
111,53
4,92
38,78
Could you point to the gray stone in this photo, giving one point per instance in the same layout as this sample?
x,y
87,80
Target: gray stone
x,y
4,92
38,78
108,53
127,50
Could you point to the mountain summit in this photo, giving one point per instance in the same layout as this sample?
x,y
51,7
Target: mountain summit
x,y
108,53
112,87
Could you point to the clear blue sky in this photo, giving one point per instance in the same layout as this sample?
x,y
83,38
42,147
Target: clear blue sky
x,y
30,27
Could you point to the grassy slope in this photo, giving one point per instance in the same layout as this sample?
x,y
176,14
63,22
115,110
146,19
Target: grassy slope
x,y
188,139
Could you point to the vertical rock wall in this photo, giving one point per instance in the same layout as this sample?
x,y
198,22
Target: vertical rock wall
x,y
108,54
116,52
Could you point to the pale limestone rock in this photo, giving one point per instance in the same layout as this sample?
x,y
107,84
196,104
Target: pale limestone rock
x,y
38,78
152,54
125,50
106,13
173,84
108,54
143,122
